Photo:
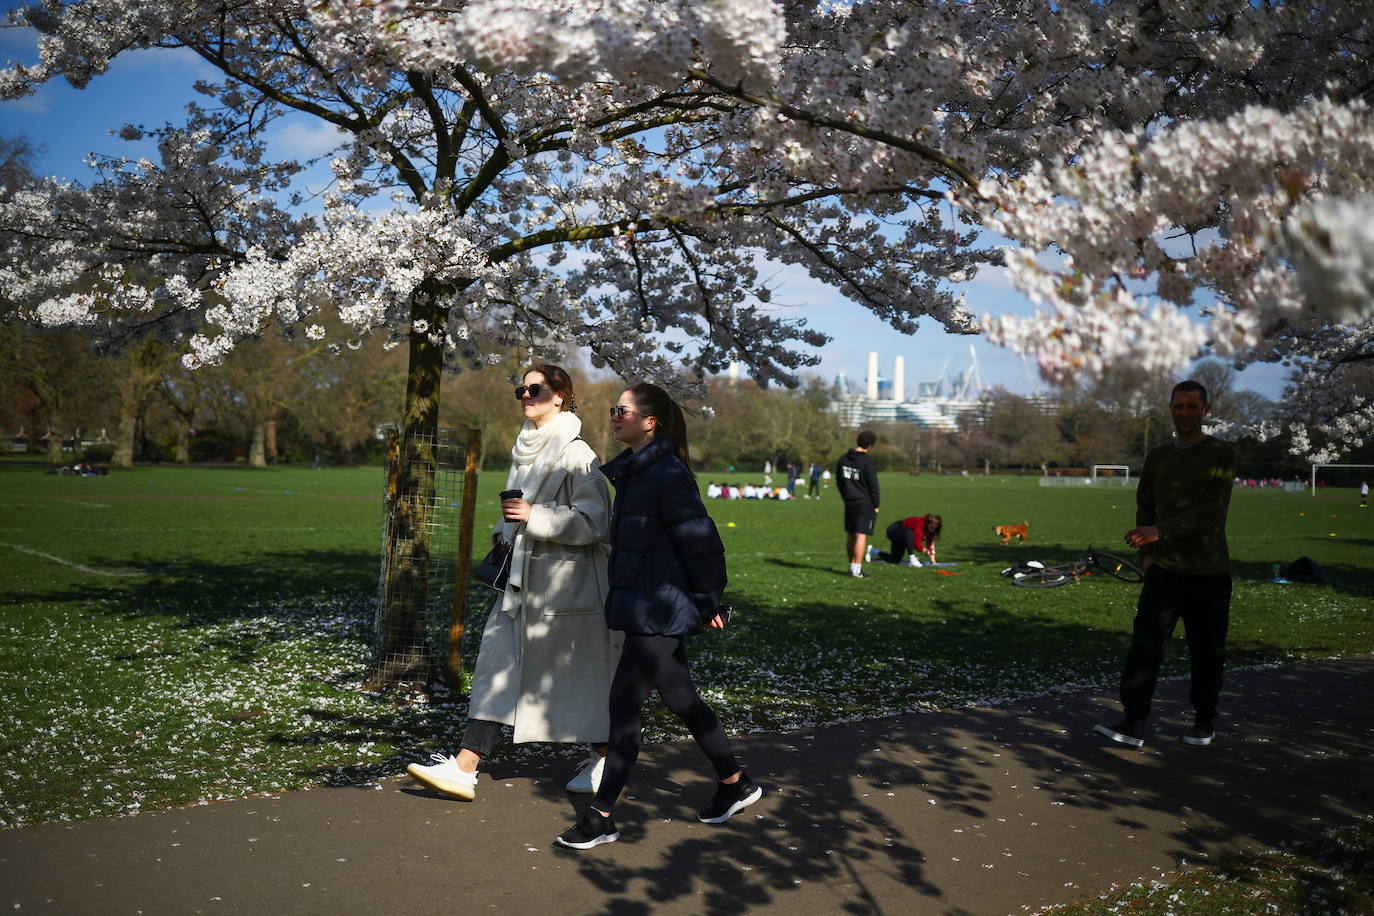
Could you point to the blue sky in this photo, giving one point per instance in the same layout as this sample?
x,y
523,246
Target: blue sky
x,y
152,87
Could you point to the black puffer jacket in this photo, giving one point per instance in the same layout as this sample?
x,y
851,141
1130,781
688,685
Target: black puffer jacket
x,y
667,565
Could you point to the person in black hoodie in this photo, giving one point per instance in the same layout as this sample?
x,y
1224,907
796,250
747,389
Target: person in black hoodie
x,y
856,477
667,573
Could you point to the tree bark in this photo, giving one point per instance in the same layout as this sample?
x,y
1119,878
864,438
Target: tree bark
x,y
257,451
403,652
183,447
54,455
270,446
123,456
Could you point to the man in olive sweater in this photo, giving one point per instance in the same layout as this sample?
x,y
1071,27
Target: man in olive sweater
x,y
1185,490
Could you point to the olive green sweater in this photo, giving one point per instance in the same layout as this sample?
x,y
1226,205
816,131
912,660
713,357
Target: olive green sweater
x,y
1185,491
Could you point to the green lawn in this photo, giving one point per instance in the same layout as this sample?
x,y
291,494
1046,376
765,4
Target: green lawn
x,y
172,635
1330,874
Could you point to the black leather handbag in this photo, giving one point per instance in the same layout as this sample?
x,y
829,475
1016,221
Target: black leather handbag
x,y
494,570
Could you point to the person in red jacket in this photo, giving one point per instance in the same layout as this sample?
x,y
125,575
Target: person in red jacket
x,y
913,535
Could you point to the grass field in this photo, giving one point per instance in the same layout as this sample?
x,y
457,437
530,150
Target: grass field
x,y
1332,874
173,635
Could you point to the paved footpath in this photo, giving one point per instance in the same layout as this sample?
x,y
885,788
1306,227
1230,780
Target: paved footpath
x,y
975,810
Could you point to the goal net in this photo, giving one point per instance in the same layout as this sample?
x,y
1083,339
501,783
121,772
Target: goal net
x,y
1352,478
1112,473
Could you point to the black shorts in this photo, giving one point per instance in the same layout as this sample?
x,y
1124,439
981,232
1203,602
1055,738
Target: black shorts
x,y
859,516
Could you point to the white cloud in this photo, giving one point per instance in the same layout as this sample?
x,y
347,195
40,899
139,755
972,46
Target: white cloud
x,y
305,139
185,63
39,103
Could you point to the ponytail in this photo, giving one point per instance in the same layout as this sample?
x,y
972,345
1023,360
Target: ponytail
x,y
653,401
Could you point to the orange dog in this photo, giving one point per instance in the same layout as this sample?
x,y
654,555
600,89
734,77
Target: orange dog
x,y
1007,532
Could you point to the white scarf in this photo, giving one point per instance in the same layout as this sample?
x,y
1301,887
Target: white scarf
x,y
535,454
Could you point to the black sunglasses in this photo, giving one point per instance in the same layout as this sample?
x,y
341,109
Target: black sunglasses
x,y
618,413
534,390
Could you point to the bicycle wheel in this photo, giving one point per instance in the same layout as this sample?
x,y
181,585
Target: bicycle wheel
x,y
1043,578
1113,565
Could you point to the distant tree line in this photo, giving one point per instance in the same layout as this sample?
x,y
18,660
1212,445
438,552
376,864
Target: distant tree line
x,y
279,399
1077,428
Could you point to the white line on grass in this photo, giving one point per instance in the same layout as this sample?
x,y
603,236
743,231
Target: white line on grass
x,y
77,566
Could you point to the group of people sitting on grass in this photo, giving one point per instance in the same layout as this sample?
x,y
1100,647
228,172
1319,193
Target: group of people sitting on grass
x,y
746,491
81,470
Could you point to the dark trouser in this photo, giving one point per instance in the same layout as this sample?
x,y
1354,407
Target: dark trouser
x,y
903,540
814,487
481,736
1203,602
648,663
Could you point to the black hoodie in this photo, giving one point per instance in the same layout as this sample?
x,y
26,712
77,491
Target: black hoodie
x,y
856,476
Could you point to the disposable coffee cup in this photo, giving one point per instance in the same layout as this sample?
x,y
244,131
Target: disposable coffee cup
x,y
512,494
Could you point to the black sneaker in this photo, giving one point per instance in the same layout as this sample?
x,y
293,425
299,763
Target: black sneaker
x,y
592,829
1127,732
1201,734
730,799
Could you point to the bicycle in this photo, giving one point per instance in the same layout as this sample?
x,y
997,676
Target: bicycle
x,y
1034,574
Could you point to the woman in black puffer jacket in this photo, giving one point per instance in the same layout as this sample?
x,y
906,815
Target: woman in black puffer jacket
x,y
667,573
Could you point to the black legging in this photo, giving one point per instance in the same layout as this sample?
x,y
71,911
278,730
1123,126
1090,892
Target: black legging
x,y
903,539
648,663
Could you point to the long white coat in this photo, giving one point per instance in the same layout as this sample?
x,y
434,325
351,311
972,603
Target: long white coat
x,y
547,670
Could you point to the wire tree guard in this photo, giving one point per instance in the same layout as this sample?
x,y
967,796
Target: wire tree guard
x,y
431,490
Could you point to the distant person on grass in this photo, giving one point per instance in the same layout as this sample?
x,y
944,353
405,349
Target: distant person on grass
x,y
667,578
547,658
914,535
856,477
1181,505
813,488
1364,494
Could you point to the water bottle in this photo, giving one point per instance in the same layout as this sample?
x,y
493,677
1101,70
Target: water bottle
x,y
1276,572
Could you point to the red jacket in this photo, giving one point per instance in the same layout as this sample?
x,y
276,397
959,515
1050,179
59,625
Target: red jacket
x,y
917,524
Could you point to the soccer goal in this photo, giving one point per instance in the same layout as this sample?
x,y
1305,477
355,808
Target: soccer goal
x,y
1125,470
1316,466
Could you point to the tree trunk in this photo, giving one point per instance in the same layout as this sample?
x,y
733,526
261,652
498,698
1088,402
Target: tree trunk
x,y
257,451
271,441
54,455
403,655
183,453
123,456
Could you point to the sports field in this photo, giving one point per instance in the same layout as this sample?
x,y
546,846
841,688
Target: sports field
x,y
171,635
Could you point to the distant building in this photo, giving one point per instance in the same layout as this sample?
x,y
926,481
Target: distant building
x,y
938,405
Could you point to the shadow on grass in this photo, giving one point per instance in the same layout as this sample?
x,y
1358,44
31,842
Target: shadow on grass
x,y
1340,577
838,569
203,593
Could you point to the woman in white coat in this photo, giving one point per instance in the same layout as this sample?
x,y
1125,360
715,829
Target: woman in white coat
x,y
547,658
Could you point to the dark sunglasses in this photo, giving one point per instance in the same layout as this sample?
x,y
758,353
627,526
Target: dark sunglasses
x,y
618,413
534,391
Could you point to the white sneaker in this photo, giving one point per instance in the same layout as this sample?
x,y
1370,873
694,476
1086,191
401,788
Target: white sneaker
x,y
913,561
872,554
445,777
588,778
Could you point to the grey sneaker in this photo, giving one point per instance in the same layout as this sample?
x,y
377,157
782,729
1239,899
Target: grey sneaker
x,y
1127,732
588,778
445,777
